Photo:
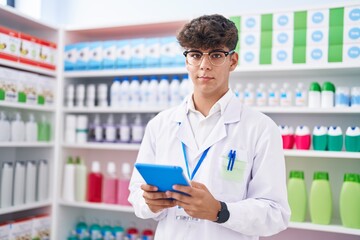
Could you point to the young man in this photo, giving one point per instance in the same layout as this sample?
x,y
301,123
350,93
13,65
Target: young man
x,y
233,155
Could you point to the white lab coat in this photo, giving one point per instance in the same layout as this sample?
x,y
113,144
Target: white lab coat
x,y
256,196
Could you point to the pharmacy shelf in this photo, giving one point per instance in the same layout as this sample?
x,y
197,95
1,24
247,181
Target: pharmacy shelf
x,y
27,144
114,109
307,110
25,207
98,206
325,228
125,72
322,154
28,68
104,146
27,106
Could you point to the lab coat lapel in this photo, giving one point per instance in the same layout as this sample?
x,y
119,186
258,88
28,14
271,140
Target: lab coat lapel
x,y
218,133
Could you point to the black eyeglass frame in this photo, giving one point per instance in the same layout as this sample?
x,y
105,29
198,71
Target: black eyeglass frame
x,y
185,53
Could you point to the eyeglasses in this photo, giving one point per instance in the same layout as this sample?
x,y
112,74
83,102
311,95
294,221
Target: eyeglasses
x,y
216,57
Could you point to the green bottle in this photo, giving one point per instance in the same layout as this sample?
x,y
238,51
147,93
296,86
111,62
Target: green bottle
x,y
319,138
44,130
297,196
335,138
320,199
350,201
352,139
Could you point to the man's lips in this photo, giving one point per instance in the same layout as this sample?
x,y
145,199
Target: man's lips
x,y
205,78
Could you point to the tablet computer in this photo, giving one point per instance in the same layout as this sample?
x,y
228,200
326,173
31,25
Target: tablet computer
x,y
162,176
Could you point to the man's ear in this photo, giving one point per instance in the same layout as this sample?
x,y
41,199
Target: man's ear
x,y
234,60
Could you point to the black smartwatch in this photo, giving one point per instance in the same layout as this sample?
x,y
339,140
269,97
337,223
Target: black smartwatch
x,y
223,214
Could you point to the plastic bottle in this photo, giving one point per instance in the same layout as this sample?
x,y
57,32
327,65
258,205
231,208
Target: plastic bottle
x,y
239,92
70,93
124,130
342,97
124,181
69,180
81,226
355,97
118,232
95,230
327,95
297,196
349,201
80,95
110,129
174,96
43,181
300,95
125,92
115,92
352,139
81,128
137,130
17,129
314,95
134,92
185,86
132,233
95,181
147,234
163,91
30,182
153,91
286,96
44,129
320,138
70,131
144,91
274,96
31,129
80,180
261,98
110,185
6,190
19,184
102,95
4,128
96,130
320,199
335,138
287,135
249,95
90,95
302,138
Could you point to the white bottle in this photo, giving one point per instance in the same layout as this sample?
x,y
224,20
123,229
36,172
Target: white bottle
x,y
314,95
249,95
4,128
98,129
115,93
174,96
144,92
285,96
328,95
274,96
90,95
124,130
110,129
239,92
153,92
19,184
70,131
80,95
70,93
185,87
355,97
30,182
42,181
300,95
68,192
31,133
125,92
261,96
163,92
137,130
6,189
17,129
135,93
80,180
102,95
81,128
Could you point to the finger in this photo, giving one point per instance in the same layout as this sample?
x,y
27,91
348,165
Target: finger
x,y
165,203
178,196
198,185
154,195
184,189
148,188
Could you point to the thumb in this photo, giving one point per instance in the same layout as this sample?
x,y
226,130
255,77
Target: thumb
x,y
198,185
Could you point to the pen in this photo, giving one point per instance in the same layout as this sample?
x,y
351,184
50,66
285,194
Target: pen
x,y
229,162
233,160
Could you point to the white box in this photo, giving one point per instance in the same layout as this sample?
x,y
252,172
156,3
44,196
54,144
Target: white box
x,y
95,56
250,23
9,44
318,18
109,54
351,34
70,57
283,21
317,55
170,53
281,56
41,227
83,56
47,54
152,52
123,54
10,84
352,15
351,53
29,49
21,230
4,231
250,40
137,53
249,57
283,38
317,36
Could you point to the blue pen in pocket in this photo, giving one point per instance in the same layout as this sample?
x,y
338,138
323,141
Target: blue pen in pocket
x,y
233,160
229,162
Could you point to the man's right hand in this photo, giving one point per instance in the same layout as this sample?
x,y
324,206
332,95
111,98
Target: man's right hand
x,y
156,201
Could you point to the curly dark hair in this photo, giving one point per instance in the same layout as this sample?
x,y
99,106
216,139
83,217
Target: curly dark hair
x,y
208,32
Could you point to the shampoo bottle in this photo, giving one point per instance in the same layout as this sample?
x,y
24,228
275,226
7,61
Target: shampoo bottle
x,y
302,138
352,139
110,185
30,183
17,129
43,181
349,201
31,129
137,130
80,180
69,181
95,181
19,184
335,138
297,196
124,130
6,190
4,128
123,191
319,138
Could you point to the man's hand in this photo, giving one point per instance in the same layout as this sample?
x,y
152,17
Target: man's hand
x,y
156,201
200,204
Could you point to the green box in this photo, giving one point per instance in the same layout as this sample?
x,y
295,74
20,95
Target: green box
x,y
265,55
266,39
266,22
336,35
300,20
335,53
299,54
336,17
299,37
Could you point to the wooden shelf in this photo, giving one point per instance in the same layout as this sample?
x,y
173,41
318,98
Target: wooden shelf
x,y
27,106
98,206
25,207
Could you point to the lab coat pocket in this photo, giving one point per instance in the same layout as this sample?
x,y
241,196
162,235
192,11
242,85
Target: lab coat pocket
x,y
233,168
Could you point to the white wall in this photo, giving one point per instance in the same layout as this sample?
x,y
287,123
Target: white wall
x,y
82,13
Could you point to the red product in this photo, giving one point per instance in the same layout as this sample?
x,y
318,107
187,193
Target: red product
x,y
95,181
288,141
303,142
5,49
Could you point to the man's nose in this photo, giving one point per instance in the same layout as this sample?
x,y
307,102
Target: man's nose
x,y
205,62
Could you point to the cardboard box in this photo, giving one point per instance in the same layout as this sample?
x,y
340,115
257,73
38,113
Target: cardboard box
x,y
250,40
109,54
4,231
249,57
21,230
351,34
9,44
317,18
137,53
281,56
283,21
70,57
95,56
123,55
317,37
29,49
284,39
152,52
83,56
351,53
47,54
41,227
316,55
352,15
250,23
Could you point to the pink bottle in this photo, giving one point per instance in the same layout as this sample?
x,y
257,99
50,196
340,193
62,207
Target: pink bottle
x,y
287,135
123,186
302,138
95,181
110,185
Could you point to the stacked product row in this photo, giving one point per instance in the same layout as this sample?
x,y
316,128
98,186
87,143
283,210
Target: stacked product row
x,y
16,130
123,54
20,47
124,92
85,231
326,96
81,185
323,138
320,200
24,87
78,129
37,228
24,182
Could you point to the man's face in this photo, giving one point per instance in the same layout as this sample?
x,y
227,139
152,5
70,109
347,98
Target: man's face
x,y
210,80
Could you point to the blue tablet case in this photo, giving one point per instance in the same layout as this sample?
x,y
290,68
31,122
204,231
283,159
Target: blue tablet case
x,y
162,176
